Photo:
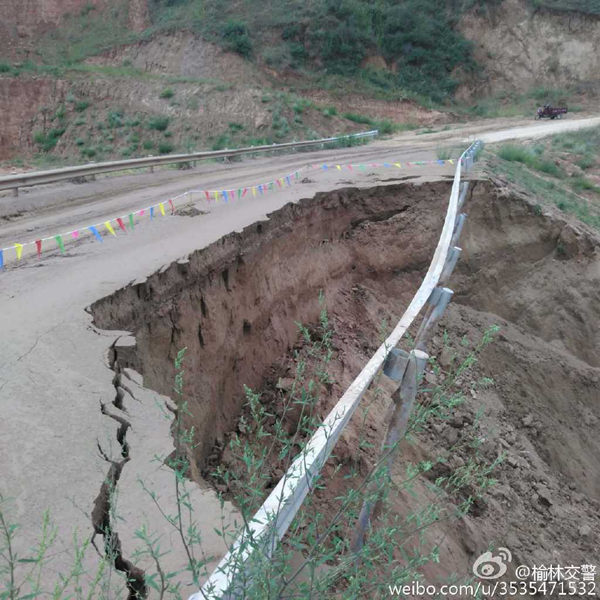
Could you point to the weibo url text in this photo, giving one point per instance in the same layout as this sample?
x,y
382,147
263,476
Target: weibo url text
x,y
496,589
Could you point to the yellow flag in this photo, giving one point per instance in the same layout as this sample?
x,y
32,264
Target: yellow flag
x,y
216,195
338,167
162,208
19,249
398,165
254,191
109,227
450,161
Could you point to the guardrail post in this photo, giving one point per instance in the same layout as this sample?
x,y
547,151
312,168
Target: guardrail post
x,y
404,399
453,256
395,364
434,315
464,186
460,222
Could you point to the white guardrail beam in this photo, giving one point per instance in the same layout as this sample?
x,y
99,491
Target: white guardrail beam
x,y
19,180
272,520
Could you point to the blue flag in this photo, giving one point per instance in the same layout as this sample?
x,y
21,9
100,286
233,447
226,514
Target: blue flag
x,y
95,232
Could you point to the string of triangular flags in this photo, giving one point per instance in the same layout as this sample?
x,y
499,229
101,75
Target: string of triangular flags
x,y
128,221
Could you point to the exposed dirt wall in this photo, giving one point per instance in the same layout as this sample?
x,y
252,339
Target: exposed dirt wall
x,y
537,276
520,48
235,304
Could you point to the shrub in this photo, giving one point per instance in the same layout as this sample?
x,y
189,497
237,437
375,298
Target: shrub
x,y
167,93
236,36
88,152
115,118
165,148
158,123
148,145
358,118
80,141
5,68
385,127
222,142
48,140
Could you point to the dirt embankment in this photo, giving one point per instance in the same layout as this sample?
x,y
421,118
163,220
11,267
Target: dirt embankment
x,y
233,305
520,48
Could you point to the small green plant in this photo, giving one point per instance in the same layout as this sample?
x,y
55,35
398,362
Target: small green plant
x,y
158,123
115,119
88,152
165,148
48,140
167,93
81,105
148,145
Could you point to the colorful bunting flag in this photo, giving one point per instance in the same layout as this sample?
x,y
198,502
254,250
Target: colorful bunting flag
x,y
131,223
244,192
121,224
19,250
162,208
75,234
109,227
1,259
207,194
96,233
60,243
172,206
38,245
151,213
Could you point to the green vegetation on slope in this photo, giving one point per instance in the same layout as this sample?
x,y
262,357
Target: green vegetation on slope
x,y
415,40
563,169
590,7
412,46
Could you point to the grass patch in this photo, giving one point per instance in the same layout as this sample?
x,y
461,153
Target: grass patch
x,y
167,93
48,140
581,184
531,158
546,190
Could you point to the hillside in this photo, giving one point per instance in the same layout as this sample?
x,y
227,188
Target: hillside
x,y
83,80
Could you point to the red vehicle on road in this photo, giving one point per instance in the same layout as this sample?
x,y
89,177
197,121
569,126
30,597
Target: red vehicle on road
x,y
551,112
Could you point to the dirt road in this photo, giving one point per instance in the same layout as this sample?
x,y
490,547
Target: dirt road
x,y
53,363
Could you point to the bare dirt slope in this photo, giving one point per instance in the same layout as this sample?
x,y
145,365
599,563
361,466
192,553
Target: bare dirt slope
x,y
521,47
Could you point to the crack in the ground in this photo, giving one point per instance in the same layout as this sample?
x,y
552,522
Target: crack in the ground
x,y
102,512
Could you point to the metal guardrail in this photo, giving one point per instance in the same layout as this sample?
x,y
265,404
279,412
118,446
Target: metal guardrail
x,y
268,526
17,181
